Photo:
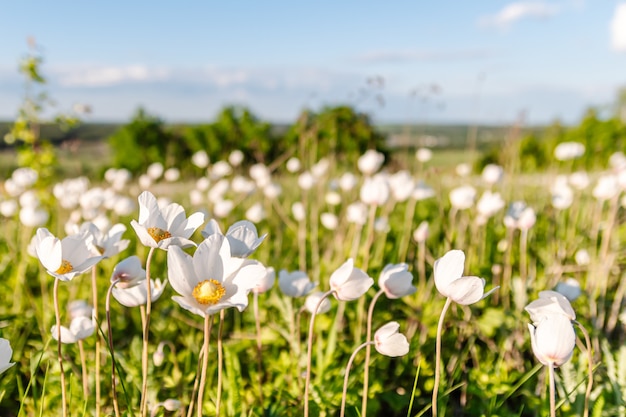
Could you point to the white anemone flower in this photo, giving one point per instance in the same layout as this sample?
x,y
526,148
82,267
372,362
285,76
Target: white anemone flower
x,y
463,197
423,155
313,299
421,233
128,273
451,283
395,280
236,157
242,236
64,259
570,288
137,295
295,283
5,355
566,151
298,211
212,280
162,228
389,342
550,303
200,159
553,339
256,213
80,328
347,181
492,173
349,283
108,243
155,170
375,190
370,161
329,221
356,213
33,216
293,165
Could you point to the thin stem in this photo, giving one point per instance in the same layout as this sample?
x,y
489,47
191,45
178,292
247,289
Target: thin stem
x,y
589,367
552,389
438,355
409,213
110,331
57,313
259,344
195,385
146,332
83,366
205,361
220,363
309,352
94,295
345,378
368,352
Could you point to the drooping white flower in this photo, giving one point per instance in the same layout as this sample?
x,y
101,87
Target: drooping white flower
x,y
5,355
370,162
421,233
79,308
313,299
128,272
349,283
395,280
137,295
389,342
553,339
212,279
294,284
450,282
80,328
64,259
570,288
162,228
550,303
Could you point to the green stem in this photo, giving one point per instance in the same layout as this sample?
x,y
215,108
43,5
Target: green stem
x,y
345,378
438,355
368,352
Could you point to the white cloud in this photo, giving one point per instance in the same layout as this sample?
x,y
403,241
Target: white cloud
x,y
108,75
409,55
514,12
618,28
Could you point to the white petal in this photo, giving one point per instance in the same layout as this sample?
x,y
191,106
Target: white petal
x,y
190,304
180,271
466,290
342,274
447,269
66,335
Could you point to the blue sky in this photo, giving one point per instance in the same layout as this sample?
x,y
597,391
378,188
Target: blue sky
x,y
420,61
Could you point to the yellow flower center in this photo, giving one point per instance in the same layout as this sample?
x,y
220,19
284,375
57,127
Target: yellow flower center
x,y
65,267
209,292
158,234
100,249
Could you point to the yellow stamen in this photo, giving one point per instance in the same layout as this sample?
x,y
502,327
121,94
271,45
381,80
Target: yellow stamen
x,y
100,249
158,234
65,267
209,292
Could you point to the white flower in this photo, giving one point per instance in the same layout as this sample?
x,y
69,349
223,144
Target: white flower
x,y
306,180
370,162
570,288
606,188
462,197
582,257
463,169
8,208
212,279
450,282
63,259
579,180
236,158
329,221
294,284
553,339
221,169
332,198
293,165
550,303
128,272
313,299
423,155
266,282
389,342
80,328
79,308
222,208
25,177
5,355
172,405
375,190
33,216
489,204
349,283
569,150
200,159
106,244
356,213
492,173
402,185
298,212
422,192
272,190
520,216
421,233
138,295
256,213
395,280
347,181
155,170
562,195
381,224
242,237
171,174
159,228
320,168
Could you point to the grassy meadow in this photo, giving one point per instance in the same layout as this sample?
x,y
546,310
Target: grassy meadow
x,y
316,215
